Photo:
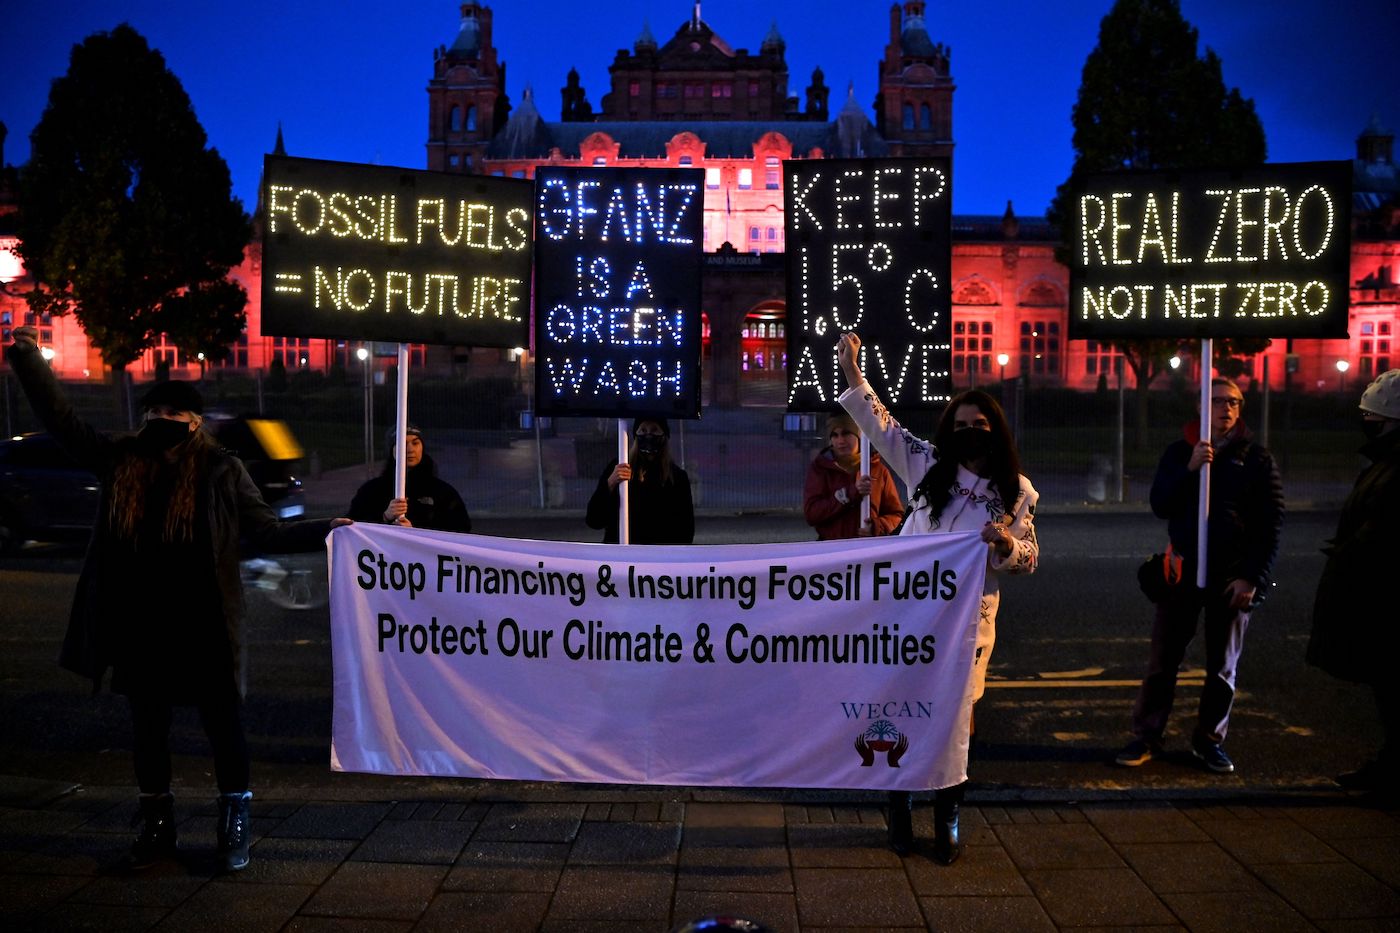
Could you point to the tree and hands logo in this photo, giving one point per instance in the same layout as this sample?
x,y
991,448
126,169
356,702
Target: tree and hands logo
x,y
882,737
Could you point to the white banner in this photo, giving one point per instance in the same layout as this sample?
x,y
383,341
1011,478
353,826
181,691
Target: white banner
x,y
823,664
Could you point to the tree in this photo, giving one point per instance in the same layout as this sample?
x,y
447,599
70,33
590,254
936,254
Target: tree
x,y
1147,101
126,216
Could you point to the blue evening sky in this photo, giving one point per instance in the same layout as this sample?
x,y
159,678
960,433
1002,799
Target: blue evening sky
x,y
347,79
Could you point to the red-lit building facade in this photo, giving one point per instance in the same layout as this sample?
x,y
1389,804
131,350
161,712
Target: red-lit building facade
x,y
694,100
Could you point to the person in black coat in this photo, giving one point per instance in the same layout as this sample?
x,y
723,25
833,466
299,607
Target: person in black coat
x,y
430,502
159,600
1242,536
1354,636
658,491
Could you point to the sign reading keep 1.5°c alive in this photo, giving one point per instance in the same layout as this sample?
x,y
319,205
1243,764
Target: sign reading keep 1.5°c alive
x,y
1262,252
869,250
617,291
374,253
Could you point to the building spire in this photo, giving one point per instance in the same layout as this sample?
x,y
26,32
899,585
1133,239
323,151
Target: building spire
x,y
278,148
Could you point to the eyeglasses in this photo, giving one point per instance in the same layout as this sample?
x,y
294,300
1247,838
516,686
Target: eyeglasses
x,y
1226,400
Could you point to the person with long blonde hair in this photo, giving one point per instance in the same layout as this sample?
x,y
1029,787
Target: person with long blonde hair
x,y
159,601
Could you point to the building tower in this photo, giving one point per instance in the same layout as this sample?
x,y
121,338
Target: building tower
x,y
914,108
467,102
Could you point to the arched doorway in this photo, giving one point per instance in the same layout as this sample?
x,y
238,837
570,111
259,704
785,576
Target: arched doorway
x,y
763,354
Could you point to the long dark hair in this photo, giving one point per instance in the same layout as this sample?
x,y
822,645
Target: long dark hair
x,y
1003,466
663,462
134,475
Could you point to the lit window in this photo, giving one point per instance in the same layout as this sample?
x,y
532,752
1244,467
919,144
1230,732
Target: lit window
x,y
712,178
745,178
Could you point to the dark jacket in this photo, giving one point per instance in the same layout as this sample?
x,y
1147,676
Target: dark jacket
x,y
432,502
1354,634
1246,510
834,518
235,512
658,513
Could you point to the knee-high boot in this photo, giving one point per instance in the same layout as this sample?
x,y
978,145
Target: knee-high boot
x,y
901,821
947,844
234,830
156,815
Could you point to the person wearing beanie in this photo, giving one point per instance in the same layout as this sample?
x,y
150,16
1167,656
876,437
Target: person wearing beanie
x,y
429,501
159,600
835,487
1353,626
659,506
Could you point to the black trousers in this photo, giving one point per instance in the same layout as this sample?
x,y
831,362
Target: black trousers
x,y
222,719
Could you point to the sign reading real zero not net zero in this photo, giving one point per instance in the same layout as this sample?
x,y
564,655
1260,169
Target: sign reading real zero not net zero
x,y
1263,252
617,291
368,252
869,250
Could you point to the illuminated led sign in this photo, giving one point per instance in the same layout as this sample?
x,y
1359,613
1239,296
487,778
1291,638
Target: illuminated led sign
x,y
1263,252
373,253
869,250
617,291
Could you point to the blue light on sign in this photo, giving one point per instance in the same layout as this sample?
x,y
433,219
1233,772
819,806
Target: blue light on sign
x,y
617,291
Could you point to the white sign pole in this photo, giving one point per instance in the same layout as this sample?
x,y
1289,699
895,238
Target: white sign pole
x,y
401,427
1203,506
624,535
864,470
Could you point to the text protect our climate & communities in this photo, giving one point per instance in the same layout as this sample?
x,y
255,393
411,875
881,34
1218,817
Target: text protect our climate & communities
x,y
591,639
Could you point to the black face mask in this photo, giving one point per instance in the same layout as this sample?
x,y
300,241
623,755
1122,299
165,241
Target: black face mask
x,y
970,444
650,444
1372,429
161,434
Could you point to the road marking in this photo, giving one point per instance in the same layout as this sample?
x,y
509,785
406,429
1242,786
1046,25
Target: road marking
x,y
1082,684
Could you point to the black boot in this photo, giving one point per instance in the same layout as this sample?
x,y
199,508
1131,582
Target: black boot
x,y
947,844
156,840
901,821
234,830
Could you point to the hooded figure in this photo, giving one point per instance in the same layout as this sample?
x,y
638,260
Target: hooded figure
x,y
429,502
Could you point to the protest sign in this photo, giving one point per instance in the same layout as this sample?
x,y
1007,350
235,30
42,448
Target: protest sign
x,y
617,291
368,252
818,664
1262,252
869,249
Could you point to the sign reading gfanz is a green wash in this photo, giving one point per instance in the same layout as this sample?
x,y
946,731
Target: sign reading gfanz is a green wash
x,y
368,252
1261,252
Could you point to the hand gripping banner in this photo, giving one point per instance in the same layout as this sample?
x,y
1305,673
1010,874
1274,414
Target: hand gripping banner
x,y
842,664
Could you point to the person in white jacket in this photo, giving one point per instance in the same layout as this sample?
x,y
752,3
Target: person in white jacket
x,y
959,482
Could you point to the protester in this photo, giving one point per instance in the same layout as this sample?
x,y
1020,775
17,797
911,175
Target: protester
x,y
658,491
1353,630
159,599
429,502
960,482
1245,518
835,487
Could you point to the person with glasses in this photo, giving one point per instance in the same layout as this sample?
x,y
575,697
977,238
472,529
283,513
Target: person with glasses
x,y
1242,536
1354,635
659,506
835,488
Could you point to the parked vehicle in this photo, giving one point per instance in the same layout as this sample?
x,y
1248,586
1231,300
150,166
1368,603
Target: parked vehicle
x,y
44,494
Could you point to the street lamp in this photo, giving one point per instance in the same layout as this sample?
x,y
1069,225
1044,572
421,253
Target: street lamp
x,y
1174,362
1002,360
362,355
1342,367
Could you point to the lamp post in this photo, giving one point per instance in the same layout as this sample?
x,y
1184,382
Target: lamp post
x,y
1002,360
362,355
1174,362
1342,367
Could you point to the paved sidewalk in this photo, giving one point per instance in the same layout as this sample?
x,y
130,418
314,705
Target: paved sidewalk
x,y
355,852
